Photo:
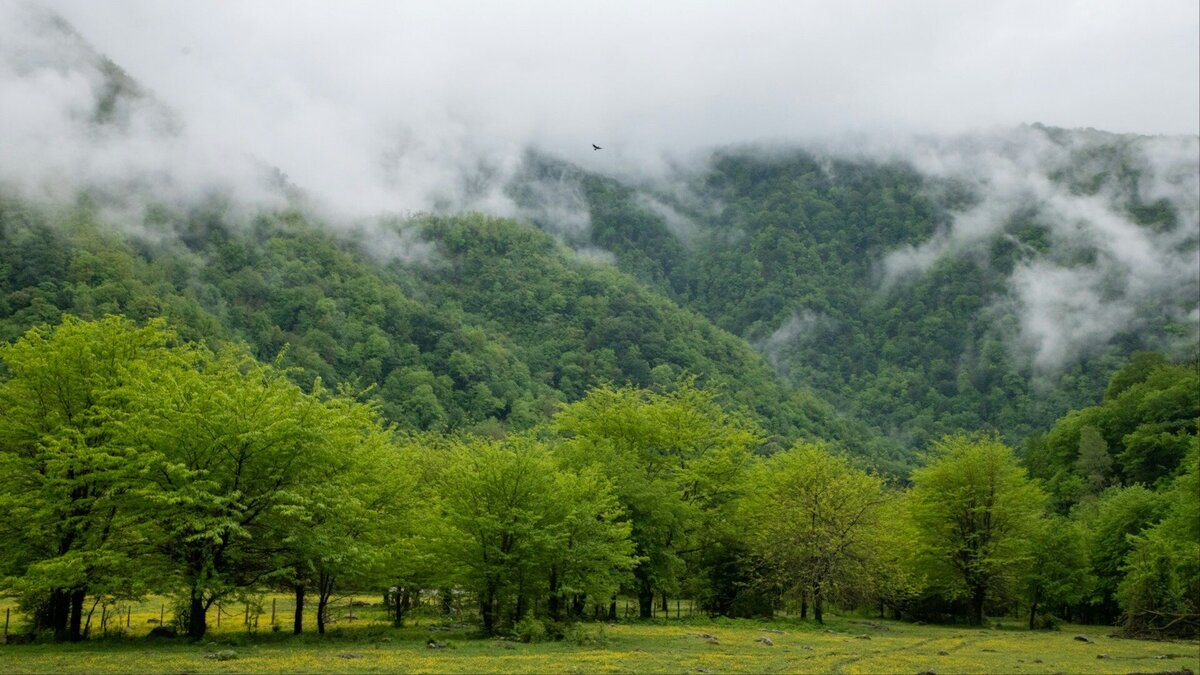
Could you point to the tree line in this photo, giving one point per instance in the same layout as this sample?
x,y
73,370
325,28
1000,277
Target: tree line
x,y
133,461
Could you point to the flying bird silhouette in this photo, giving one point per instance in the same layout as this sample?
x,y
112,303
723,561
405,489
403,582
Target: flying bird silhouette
x,y
596,147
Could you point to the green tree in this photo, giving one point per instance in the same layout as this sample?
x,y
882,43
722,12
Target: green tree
x,y
340,528
975,511
1059,572
676,462
1094,464
65,478
1112,523
513,526
812,520
1160,592
233,453
592,556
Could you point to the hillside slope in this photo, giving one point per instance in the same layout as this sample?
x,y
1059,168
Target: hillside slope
x,y
989,282
491,328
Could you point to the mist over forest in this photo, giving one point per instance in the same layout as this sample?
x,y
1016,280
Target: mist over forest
x,y
433,290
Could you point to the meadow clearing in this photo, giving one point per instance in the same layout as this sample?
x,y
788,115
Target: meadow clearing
x,y
845,644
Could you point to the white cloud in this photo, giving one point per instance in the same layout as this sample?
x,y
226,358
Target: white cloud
x,y
382,106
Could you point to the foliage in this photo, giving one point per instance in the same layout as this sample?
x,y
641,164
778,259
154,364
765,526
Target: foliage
x,y
1121,514
975,511
65,473
785,248
515,527
1059,573
1160,590
814,522
1144,424
675,461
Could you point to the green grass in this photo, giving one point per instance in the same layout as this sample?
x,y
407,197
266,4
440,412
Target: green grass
x,y
667,646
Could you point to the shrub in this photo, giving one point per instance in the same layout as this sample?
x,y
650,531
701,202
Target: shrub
x,y
530,629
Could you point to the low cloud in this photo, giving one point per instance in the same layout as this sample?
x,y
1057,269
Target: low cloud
x,y
790,334
1101,265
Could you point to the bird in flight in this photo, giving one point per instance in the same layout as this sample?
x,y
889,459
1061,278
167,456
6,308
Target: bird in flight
x,y
596,147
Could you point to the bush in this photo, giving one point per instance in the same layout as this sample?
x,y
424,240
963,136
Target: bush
x,y
581,636
1046,621
530,629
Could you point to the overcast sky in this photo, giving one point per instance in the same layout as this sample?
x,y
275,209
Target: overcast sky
x,y
387,105
661,73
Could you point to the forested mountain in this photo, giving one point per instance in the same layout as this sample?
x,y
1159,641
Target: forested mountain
x,y
490,330
986,282
893,291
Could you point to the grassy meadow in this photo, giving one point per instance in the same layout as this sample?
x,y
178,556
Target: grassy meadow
x,y
366,643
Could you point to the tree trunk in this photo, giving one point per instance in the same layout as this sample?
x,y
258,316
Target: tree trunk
x,y
666,608
298,616
579,605
399,608
447,598
645,599
1033,611
58,614
487,609
818,604
77,598
977,597
803,605
612,609
552,603
197,621
324,592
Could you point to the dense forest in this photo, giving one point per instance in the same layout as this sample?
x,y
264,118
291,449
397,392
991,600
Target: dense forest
x,y
910,299
137,462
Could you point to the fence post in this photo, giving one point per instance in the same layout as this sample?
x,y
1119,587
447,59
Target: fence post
x,y
218,616
272,611
246,621
162,613
128,615
7,612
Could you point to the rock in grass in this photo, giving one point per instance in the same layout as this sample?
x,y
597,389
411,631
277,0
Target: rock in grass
x,y
943,653
1084,638
223,655
163,632
864,636
765,640
350,655
433,644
